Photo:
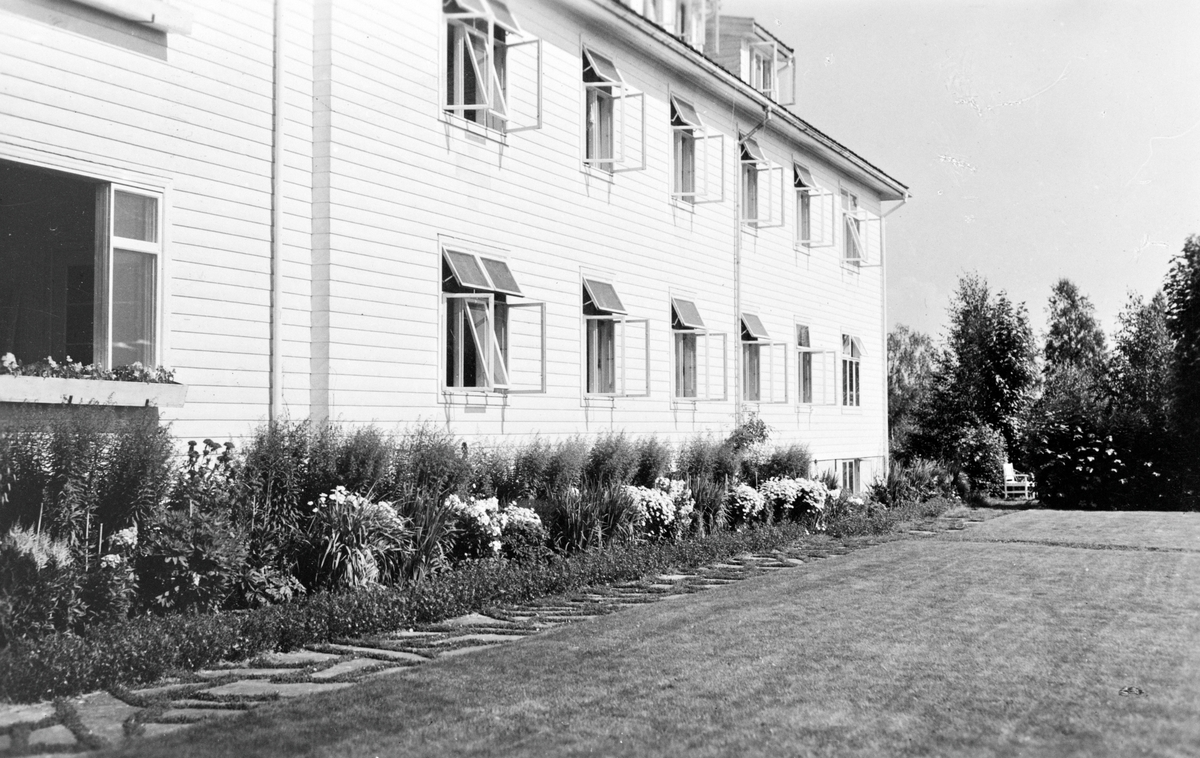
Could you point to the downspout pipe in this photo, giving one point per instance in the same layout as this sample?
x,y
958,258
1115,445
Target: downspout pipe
x,y
887,437
275,405
738,409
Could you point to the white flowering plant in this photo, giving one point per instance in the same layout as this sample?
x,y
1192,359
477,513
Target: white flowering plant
x,y
523,537
663,511
479,526
745,504
360,542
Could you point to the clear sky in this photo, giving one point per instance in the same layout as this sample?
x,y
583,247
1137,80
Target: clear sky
x,y
1040,139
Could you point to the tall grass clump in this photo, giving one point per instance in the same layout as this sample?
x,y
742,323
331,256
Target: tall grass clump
x,y
790,462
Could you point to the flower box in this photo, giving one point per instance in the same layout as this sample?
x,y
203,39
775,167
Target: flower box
x,y
35,389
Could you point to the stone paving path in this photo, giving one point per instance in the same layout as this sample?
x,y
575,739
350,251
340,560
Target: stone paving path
x,y
106,719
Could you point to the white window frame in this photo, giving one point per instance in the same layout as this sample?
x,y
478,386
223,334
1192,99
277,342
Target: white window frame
x,y
752,159
707,157
706,338
102,319
776,356
497,380
853,466
621,95
818,198
851,384
495,103
620,348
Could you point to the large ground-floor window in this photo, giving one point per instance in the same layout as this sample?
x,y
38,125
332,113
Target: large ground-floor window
x,y
80,262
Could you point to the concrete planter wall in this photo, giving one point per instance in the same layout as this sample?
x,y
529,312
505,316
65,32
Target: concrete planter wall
x,y
35,389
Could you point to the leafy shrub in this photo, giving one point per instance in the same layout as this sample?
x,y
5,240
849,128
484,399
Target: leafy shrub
x,y
612,460
912,482
981,455
493,474
706,458
790,462
523,537
1076,467
753,431
654,460
356,542
189,561
566,466
433,525
40,588
429,462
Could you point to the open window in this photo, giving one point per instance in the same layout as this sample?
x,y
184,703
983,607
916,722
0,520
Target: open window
x,y
764,364
852,352
815,210
690,21
614,117
493,68
762,186
617,346
816,371
773,71
862,234
700,355
495,340
82,264
699,170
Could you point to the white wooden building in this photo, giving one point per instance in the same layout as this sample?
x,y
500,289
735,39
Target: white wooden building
x,y
513,218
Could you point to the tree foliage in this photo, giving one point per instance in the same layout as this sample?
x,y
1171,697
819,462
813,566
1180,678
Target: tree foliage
x,y
911,361
1075,338
1183,324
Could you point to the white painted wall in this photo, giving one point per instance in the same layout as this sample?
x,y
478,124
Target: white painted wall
x,y
375,172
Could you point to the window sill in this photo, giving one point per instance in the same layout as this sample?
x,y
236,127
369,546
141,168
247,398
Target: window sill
x,y
35,389
596,172
498,136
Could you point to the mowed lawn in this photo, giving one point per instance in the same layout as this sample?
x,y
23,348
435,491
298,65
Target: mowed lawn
x,y
935,646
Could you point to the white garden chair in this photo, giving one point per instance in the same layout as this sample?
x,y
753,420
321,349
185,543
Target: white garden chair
x,y
1017,486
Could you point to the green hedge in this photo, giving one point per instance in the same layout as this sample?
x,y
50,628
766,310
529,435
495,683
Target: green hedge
x,y
145,649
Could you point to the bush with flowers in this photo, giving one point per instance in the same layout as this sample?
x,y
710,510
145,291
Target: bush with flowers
x,y
664,511
357,542
779,496
746,505
523,537
479,527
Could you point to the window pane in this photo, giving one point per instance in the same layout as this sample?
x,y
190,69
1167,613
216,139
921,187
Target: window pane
x,y
750,372
687,314
604,296
685,365
133,307
601,358
502,277
135,217
806,388
467,270
753,327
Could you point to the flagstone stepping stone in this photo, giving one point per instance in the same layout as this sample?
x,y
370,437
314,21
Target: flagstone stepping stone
x,y
191,715
345,667
157,730
244,672
24,714
298,658
662,586
154,693
407,633
385,654
259,688
473,619
793,561
5,742
191,703
674,577
103,715
465,650
57,735
480,638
